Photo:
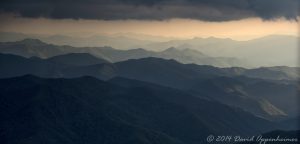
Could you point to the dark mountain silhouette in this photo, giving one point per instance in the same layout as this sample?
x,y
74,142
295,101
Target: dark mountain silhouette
x,y
164,72
77,59
87,110
60,66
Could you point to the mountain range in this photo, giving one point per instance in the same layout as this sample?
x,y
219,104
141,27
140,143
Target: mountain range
x,y
34,47
88,110
273,50
64,94
259,93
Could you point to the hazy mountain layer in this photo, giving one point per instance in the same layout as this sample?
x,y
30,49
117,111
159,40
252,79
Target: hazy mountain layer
x,y
33,47
274,50
119,41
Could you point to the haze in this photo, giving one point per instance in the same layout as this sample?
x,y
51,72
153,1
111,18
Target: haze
x,y
244,29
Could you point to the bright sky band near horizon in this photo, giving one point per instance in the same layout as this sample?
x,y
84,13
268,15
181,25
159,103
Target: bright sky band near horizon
x,y
243,29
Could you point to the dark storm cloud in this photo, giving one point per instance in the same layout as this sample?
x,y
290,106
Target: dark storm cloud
x,y
208,10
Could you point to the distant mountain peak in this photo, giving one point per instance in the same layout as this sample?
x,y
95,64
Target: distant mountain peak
x,y
138,49
32,41
152,60
183,51
171,49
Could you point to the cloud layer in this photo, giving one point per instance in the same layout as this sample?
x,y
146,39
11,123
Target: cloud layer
x,y
207,10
